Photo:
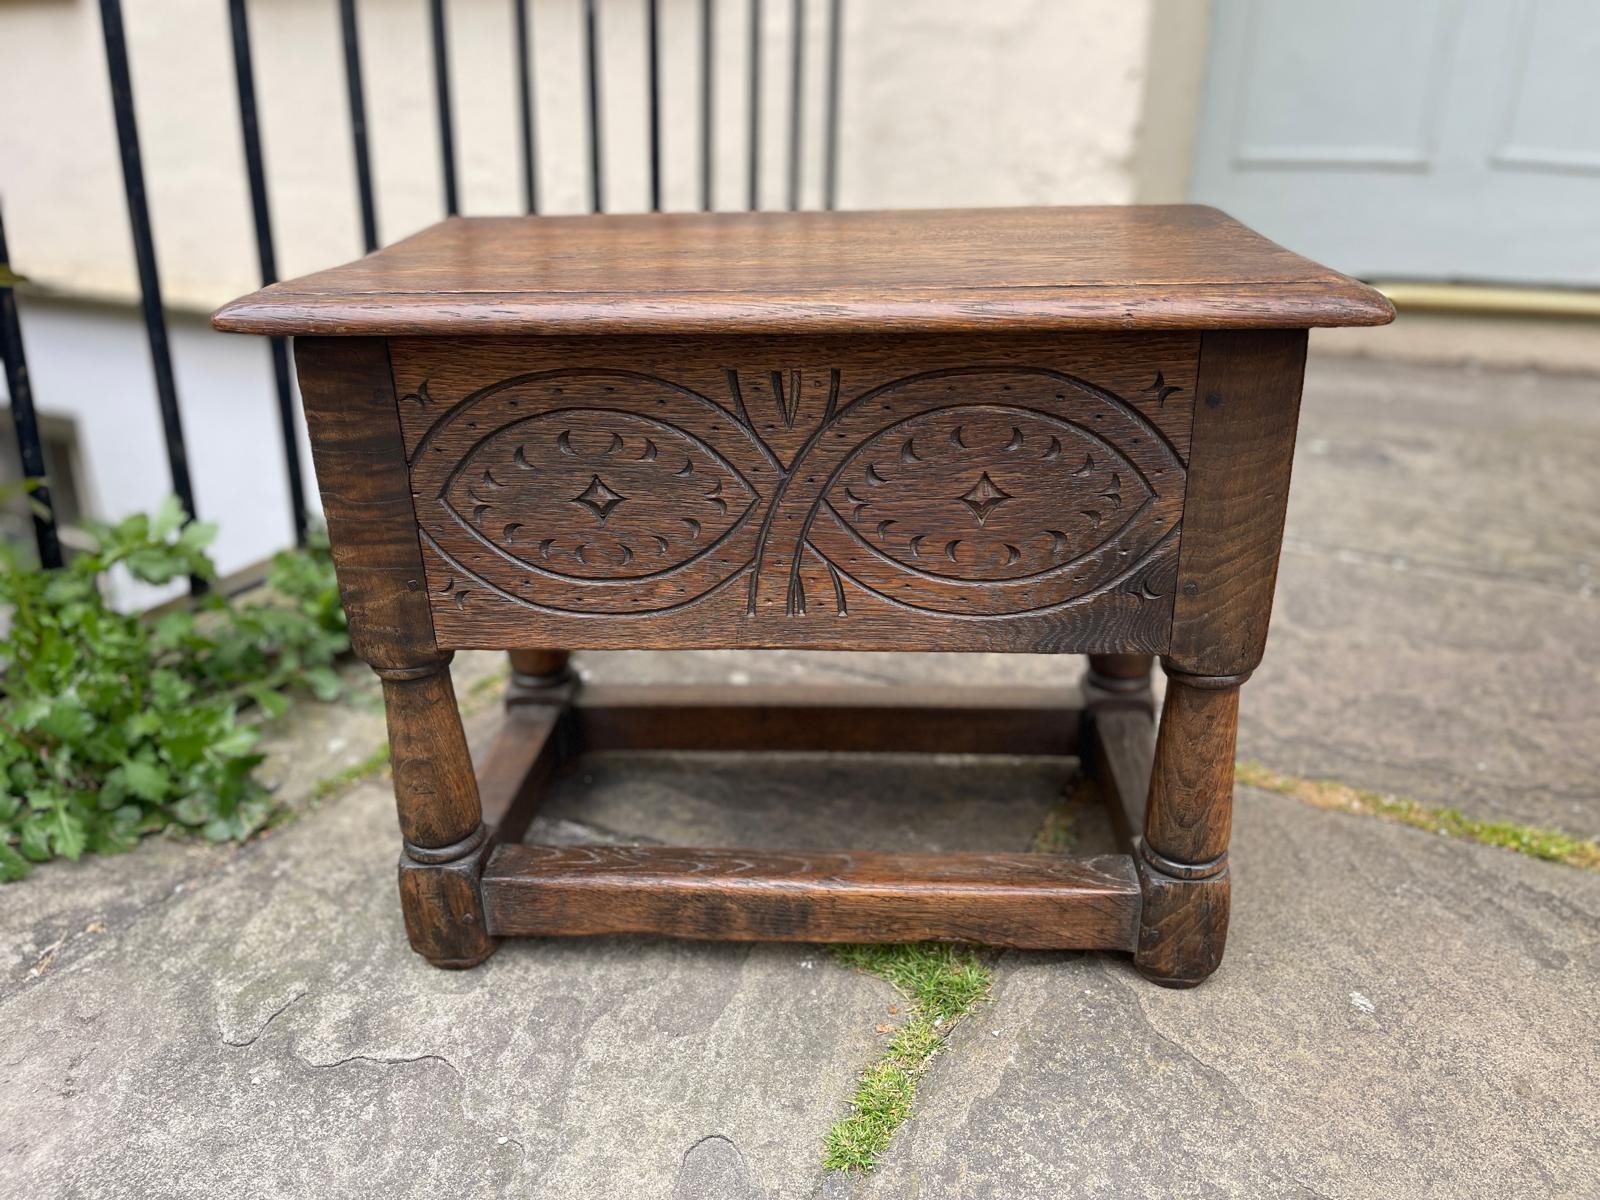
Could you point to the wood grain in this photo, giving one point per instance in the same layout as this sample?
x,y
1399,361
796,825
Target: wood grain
x,y
1183,927
443,907
950,271
1016,494
1248,400
1189,814
435,789
356,443
844,719
1036,901
1119,750
1183,857
516,767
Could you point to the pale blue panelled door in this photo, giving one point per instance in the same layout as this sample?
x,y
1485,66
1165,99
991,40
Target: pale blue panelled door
x,y
1410,139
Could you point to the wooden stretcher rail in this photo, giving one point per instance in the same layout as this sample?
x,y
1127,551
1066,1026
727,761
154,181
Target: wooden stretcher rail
x,y
1031,901
1121,746
851,718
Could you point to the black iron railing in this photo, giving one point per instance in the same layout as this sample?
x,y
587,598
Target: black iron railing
x,y
120,77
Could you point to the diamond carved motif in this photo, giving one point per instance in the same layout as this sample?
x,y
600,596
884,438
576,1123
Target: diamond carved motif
x,y
598,499
984,497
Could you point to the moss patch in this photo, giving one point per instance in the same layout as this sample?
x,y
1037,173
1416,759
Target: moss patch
x,y
1549,844
941,985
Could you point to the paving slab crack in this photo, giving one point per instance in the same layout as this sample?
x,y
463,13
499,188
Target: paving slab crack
x,y
276,1013
1113,974
378,1060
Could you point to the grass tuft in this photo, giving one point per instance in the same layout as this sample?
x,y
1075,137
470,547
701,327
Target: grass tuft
x,y
1551,845
354,773
942,984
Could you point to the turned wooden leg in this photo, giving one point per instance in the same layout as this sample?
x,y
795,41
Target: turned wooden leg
x,y
366,497
1183,857
441,821
538,677
1115,679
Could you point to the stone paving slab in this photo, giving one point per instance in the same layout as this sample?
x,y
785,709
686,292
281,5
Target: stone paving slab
x,y
265,1031
1398,1015
1437,626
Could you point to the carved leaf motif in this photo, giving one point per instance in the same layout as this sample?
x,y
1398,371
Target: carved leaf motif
x,y
597,494
1005,493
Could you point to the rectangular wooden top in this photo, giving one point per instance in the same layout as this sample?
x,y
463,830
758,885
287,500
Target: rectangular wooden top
x,y
937,271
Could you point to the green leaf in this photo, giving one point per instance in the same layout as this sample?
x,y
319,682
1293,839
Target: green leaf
x,y
324,683
68,837
155,564
166,519
12,865
197,535
273,703
33,837
235,742
67,720
145,780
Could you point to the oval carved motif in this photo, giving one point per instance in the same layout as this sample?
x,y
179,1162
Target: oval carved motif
x,y
987,493
991,491
597,494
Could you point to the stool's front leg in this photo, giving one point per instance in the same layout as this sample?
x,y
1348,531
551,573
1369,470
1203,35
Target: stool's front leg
x,y
1183,857
366,497
1247,405
441,820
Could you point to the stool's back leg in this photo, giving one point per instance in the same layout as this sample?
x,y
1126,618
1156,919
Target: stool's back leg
x,y
366,497
536,674
1117,679
1247,404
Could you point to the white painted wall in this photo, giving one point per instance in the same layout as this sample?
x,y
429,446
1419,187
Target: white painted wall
x,y
945,102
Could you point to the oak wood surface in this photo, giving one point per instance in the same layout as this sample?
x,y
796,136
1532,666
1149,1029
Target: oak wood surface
x,y
842,719
1247,403
1023,900
1022,269
869,492
1119,751
348,391
1190,803
516,767
1183,856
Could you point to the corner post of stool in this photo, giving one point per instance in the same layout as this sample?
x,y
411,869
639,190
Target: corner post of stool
x,y
1247,405
1118,681
1183,855
441,819
363,476
539,677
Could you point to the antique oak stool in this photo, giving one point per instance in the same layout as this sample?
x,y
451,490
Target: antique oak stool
x,y
1060,430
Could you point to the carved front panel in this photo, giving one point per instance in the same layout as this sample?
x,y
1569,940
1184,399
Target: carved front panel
x,y
800,492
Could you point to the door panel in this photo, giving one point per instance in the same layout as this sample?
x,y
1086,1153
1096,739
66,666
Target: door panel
x,y
1436,139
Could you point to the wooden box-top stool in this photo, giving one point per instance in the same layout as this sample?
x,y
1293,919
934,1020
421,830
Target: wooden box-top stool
x,y
1059,430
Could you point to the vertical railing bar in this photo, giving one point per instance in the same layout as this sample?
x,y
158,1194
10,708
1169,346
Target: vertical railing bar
x,y
797,78
25,420
652,17
441,89
830,128
358,124
707,98
525,122
591,44
755,105
266,254
144,253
